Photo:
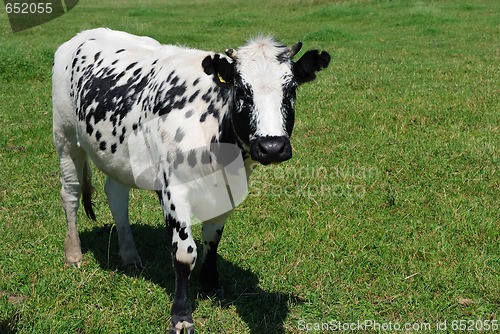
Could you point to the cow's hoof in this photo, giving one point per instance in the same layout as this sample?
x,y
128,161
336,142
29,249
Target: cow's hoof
x,y
73,257
74,260
217,293
133,267
76,264
182,327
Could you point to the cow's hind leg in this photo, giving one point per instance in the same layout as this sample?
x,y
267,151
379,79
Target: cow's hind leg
x,y
118,196
75,175
209,275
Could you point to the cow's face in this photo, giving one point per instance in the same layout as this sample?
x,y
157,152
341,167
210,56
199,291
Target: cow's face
x,y
263,79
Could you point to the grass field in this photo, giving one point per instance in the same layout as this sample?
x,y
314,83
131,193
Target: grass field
x,y
389,210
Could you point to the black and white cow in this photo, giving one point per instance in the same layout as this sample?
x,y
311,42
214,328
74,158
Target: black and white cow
x,y
171,119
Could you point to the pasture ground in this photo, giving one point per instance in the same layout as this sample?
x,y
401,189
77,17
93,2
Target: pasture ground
x,y
389,210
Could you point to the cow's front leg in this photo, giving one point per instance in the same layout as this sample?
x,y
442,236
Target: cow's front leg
x,y
209,275
178,219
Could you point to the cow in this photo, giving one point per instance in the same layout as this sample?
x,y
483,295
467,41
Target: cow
x,y
188,124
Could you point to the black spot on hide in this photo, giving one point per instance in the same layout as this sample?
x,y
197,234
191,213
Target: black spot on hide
x,y
195,94
130,66
179,158
191,158
206,158
203,117
182,234
179,134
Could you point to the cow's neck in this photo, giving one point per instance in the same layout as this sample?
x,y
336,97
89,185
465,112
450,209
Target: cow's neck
x,y
227,135
226,129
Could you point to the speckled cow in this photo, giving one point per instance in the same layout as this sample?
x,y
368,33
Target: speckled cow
x,y
110,87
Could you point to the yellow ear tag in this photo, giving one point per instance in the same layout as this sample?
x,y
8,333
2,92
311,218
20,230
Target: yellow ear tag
x,y
221,79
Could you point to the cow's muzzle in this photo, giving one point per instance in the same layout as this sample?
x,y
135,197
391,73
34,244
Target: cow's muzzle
x,y
270,149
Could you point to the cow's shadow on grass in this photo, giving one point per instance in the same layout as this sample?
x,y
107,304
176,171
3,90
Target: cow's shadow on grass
x,y
263,311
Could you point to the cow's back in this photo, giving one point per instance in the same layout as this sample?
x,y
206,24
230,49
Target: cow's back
x,y
66,53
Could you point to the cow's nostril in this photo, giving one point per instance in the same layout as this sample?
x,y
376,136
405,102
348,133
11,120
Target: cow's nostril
x,y
262,148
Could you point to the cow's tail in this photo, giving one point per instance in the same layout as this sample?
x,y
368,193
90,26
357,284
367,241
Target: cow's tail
x,y
87,191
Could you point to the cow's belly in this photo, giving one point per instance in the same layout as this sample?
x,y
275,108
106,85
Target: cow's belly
x,y
107,152
117,166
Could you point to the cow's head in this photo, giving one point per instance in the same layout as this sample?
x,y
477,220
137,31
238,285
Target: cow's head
x,y
263,79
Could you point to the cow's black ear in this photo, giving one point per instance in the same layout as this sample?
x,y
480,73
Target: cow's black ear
x,y
220,69
311,62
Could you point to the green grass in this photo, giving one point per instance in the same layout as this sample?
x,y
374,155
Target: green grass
x,y
389,210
